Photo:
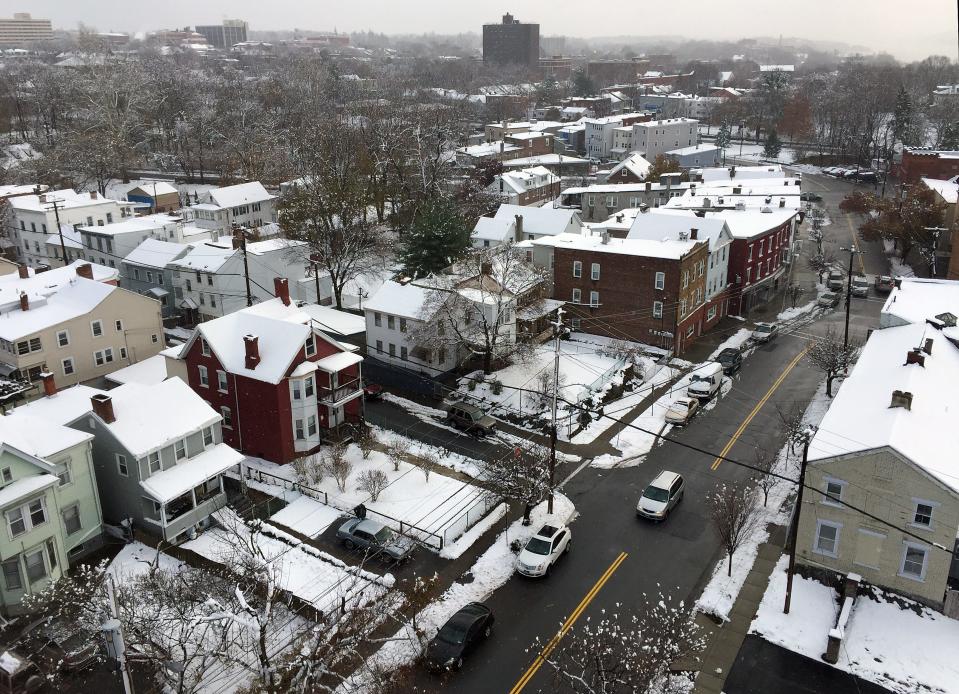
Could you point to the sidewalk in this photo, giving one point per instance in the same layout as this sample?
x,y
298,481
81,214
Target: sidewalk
x,y
725,641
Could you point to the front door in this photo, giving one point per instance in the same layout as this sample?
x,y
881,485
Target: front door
x,y
336,416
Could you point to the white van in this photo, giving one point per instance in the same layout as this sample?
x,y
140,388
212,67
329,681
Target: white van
x,y
706,381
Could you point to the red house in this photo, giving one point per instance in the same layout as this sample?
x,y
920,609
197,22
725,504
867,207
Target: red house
x,y
280,383
759,254
919,162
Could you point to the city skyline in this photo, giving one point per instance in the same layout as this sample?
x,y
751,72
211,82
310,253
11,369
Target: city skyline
x,y
910,37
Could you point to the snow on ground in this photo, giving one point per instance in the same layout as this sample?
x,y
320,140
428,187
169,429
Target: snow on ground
x,y
899,268
806,168
307,516
904,649
734,341
721,591
456,549
454,461
796,312
755,151
136,559
490,571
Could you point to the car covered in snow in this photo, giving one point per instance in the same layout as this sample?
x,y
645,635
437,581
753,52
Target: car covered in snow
x,y
828,300
682,410
860,286
543,550
765,332
465,630
705,381
374,537
836,279
661,496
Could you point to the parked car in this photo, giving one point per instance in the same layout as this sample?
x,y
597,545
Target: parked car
x,y
372,391
884,284
661,496
682,410
705,381
373,536
543,550
866,177
19,675
828,300
764,332
461,634
810,197
731,360
860,286
470,418
836,279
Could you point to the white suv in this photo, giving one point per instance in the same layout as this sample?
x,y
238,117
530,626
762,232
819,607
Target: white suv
x,y
543,550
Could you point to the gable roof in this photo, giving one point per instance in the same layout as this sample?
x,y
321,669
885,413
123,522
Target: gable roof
x,y
540,221
521,180
155,253
152,188
48,305
67,405
860,417
657,225
37,436
206,256
404,300
635,163
947,190
240,194
917,300
492,229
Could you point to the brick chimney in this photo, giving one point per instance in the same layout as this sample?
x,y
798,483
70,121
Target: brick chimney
x,y
901,398
693,233
23,271
914,356
93,195
237,242
519,226
85,270
103,407
898,282
252,345
24,302
649,186
927,346
49,384
281,289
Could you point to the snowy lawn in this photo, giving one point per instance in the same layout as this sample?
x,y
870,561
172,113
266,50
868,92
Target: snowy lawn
x,y
721,592
490,571
136,559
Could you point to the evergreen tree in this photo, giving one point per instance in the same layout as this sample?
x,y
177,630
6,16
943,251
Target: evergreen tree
x,y
902,115
950,137
582,84
772,147
438,236
723,138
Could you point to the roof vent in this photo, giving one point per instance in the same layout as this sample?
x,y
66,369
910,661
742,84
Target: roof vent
x,y
765,209
915,356
901,398
927,346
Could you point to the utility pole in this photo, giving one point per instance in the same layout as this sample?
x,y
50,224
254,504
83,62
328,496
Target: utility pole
x,y
794,528
935,231
56,213
315,262
558,331
113,634
241,234
852,254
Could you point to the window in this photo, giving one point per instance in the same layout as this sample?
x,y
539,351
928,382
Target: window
x,y
35,344
834,488
64,475
204,347
153,460
660,280
227,415
38,511
123,353
914,560
154,338
403,352
189,286
577,268
392,350
207,436
71,519
199,277
577,296
6,475
101,357
109,218
308,387
311,425
12,578
204,376
36,569
179,452
311,345
221,381
402,325
299,429
63,338
594,271
209,280
711,313
576,323
119,324
827,538
379,346
391,322
16,522
657,309
202,299
67,365
297,390
377,319
594,299
922,515
96,327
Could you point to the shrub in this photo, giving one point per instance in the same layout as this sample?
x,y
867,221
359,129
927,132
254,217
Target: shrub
x,y
337,465
497,387
373,482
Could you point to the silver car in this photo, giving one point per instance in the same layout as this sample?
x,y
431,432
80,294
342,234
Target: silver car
x,y
661,496
374,537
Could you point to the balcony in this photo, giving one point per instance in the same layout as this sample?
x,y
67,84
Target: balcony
x,y
332,396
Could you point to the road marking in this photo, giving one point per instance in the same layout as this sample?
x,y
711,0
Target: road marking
x,y
749,418
567,625
855,245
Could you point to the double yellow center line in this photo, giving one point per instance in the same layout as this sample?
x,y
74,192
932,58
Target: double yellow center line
x,y
567,625
759,406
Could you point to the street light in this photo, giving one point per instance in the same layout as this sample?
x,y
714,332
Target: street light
x,y
853,251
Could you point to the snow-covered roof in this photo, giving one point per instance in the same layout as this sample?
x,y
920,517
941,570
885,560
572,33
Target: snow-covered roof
x,y
635,163
149,417
274,245
208,256
404,300
775,68
67,197
152,188
168,484
334,321
726,173
540,221
544,160
155,253
485,149
148,372
624,187
67,405
521,180
337,362
693,149
49,305
666,249
12,190
948,190
491,229
860,417
25,486
240,194
36,436
71,237
661,224
134,225
917,300
665,121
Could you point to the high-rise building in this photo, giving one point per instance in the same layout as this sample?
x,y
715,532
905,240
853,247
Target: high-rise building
x,y
23,30
511,42
226,35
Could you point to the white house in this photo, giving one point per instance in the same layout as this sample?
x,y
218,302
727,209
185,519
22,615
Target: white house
x,y
245,204
600,134
656,137
526,186
514,223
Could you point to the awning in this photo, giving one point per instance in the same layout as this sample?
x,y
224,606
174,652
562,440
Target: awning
x,y
538,309
6,369
189,303
158,292
167,485
337,362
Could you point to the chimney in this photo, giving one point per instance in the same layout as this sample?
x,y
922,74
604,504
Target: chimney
x,y
49,384
24,302
898,282
252,345
782,202
693,233
519,226
93,195
85,270
605,237
486,268
732,171
237,242
281,289
915,356
43,198
927,346
103,407
23,271
649,186
901,398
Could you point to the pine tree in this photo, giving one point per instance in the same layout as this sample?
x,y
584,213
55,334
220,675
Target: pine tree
x,y
582,84
773,146
902,115
437,237
723,138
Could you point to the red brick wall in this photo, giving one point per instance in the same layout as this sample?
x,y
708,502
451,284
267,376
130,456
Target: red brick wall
x,y
754,265
929,165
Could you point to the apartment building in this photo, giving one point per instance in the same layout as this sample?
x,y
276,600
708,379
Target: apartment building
x,y
656,137
247,205
599,134
146,271
22,30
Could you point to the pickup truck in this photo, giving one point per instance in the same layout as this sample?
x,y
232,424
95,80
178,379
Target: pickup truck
x,y
884,284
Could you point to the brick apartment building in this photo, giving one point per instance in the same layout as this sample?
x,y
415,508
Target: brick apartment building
x,y
630,289
511,42
758,256
918,162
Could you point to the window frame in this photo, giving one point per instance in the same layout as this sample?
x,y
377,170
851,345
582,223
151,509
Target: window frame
x,y
123,468
96,325
222,383
659,281
594,271
916,503
820,523
204,375
657,309
63,334
577,295
827,482
907,545
577,268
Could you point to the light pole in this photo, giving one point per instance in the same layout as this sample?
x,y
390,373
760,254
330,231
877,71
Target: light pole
x,y
935,231
559,329
845,337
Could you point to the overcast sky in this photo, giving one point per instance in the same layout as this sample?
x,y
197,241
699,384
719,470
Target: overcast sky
x,y
908,30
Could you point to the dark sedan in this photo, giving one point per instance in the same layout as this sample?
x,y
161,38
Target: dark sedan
x,y
461,634
731,360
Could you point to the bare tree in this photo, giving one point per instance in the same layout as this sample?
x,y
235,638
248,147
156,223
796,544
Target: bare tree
x,y
373,482
309,471
365,440
821,264
793,293
428,461
829,354
764,461
792,423
337,465
396,452
626,650
735,516
522,476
